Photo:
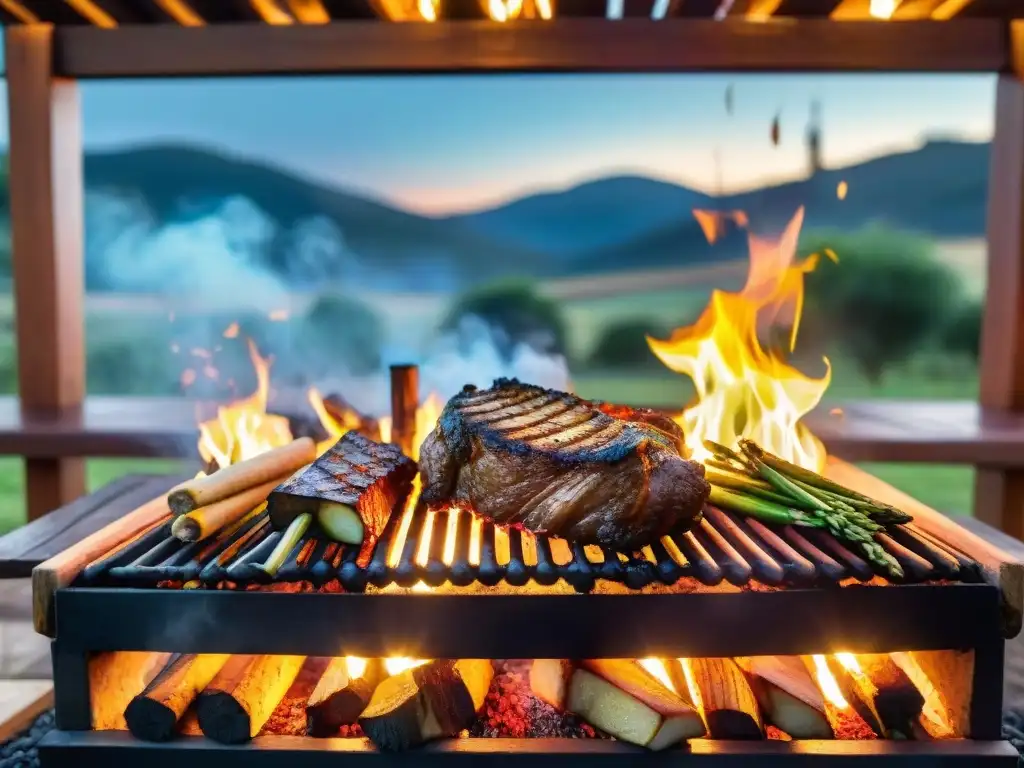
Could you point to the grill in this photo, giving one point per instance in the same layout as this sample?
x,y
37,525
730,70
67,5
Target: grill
x,y
731,587
413,549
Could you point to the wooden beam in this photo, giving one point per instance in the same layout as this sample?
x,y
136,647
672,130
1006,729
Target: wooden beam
x,y
562,45
999,492
46,190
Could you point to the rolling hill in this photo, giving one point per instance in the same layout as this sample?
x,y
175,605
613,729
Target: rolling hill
x,y
607,224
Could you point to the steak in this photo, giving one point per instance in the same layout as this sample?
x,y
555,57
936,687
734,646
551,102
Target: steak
x,y
553,463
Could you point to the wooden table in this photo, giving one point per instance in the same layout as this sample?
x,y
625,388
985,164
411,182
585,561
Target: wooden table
x,y
28,546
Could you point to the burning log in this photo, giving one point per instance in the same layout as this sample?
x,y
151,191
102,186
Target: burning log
x,y
153,715
945,680
549,681
845,715
405,401
787,695
232,480
240,699
725,698
351,490
426,702
623,699
341,695
115,678
884,690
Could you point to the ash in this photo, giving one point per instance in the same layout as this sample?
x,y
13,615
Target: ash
x,y
511,710
21,751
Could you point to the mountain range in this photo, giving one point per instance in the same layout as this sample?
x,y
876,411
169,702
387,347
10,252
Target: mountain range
x,y
608,224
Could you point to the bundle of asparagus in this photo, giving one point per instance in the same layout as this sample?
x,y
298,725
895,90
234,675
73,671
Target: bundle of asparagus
x,y
756,483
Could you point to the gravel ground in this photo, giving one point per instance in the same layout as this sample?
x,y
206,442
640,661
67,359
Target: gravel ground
x,y
20,752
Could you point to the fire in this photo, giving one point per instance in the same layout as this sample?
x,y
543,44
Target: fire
x,y
395,665
827,682
427,415
244,429
657,668
355,665
336,424
508,10
744,390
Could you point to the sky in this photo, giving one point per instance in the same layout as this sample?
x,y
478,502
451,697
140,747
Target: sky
x,y
440,145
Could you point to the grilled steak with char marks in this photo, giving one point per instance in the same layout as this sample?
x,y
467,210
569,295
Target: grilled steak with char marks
x,y
553,463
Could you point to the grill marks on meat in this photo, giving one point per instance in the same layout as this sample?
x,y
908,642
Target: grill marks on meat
x,y
552,463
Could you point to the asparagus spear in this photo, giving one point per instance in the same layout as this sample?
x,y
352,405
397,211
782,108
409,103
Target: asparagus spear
x,y
762,509
756,483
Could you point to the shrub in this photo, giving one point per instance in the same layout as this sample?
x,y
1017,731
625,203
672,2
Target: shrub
x,y
341,333
623,344
962,334
518,312
885,299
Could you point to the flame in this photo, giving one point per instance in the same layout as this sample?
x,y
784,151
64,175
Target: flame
x,y
657,668
427,415
508,10
744,390
428,9
828,684
841,189
278,315
691,685
849,663
883,9
336,423
244,429
395,665
355,665
448,554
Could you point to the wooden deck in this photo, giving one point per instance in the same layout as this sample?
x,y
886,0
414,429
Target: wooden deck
x,y
937,432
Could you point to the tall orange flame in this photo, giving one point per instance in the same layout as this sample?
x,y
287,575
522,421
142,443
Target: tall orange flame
x,y
244,429
744,390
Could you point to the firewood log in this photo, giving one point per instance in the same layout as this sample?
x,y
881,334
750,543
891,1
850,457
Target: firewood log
x,y
153,714
238,701
891,697
233,480
787,695
623,699
945,680
726,699
549,680
114,680
339,697
426,702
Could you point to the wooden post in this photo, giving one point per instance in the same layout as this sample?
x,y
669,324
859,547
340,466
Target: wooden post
x,y
46,191
999,491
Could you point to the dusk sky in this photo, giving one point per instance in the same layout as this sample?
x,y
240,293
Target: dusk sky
x,y
443,144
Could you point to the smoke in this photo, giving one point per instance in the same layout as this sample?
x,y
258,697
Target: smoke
x,y
472,354
189,280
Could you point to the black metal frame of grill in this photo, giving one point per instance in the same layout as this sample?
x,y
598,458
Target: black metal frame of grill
x,y
793,591
749,622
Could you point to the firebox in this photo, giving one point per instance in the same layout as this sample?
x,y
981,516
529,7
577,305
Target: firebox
x,y
738,618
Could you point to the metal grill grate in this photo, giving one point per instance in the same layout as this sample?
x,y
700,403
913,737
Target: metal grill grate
x,y
417,544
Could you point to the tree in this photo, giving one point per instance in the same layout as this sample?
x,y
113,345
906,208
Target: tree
x,y
962,334
623,344
885,299
341,333
518,312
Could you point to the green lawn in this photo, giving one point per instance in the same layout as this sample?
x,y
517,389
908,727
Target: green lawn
x,y
99,472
